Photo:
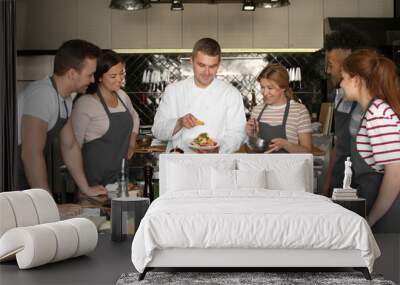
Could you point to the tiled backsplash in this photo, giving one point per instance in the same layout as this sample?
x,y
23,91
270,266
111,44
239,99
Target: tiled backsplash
x,y
240,70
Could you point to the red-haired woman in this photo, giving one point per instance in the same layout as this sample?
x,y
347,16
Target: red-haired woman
x,y
370,79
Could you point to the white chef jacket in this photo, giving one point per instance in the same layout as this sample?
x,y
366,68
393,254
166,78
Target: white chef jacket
x,y
219,106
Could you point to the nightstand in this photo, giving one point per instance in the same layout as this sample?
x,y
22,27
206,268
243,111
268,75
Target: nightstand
x,y
356,205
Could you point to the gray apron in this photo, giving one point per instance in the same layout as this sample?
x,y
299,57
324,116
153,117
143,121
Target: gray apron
x,y
102,157
51,152
367,181
342,145
268,132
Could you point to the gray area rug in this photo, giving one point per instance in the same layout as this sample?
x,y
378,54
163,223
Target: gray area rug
x,y
231,278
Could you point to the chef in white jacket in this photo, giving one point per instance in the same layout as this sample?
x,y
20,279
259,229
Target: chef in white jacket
x,y
201,103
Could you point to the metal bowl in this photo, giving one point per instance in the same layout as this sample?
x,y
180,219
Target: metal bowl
x,y
257,144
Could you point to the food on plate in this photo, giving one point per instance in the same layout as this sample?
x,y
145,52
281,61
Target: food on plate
x,y
204,140
199,122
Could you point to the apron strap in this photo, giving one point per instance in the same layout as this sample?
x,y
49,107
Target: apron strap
x,y
122,102
286,115
262,111
338,104
353,106
53,83
103,102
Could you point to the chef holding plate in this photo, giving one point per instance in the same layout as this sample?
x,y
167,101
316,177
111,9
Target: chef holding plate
x,y
201,104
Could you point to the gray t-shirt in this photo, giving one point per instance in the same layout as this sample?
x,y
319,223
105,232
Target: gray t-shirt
x,y
39,100
345,107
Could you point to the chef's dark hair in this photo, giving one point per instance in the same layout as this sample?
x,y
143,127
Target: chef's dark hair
x,y
72,54
105,61
346,37
207,46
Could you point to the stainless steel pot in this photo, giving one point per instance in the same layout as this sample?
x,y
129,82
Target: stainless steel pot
x,y
257,144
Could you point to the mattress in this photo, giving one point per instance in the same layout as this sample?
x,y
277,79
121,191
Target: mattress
x,y
251,219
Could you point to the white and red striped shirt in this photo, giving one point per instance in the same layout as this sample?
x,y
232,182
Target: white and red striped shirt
x,y
298,120
378,140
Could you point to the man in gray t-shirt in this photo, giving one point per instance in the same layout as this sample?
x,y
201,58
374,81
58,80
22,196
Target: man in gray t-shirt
x,y
44,108
40,100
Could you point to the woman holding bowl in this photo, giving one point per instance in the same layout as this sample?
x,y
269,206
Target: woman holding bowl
x,y
281,120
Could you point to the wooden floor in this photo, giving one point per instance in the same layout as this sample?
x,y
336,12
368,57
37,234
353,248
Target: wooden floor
x,y
389,263
102,266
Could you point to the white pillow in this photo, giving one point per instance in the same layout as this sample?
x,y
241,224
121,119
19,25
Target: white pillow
x,y
251,178
292,177
223,179
188,177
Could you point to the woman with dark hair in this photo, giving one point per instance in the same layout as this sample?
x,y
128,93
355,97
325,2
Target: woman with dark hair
x,y
370,79
105,122
281,120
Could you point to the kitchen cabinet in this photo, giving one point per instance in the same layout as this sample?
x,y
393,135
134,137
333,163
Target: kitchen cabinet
x,y
341,8
164,27
376,8
305,24
271,28
358,8
128,29
46,24
199,21
235,27
94,22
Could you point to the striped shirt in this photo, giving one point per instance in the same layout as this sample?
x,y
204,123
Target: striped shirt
x,y
378,140
298,119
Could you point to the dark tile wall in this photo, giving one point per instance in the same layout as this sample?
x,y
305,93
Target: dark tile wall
x,y
240,69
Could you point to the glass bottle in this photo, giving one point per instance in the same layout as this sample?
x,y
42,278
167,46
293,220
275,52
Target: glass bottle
x,y
148,191
122,182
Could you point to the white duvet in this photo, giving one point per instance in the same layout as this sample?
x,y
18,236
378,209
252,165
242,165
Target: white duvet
x,y
253,218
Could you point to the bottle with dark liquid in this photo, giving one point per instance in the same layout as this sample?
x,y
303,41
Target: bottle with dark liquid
x,y
148,191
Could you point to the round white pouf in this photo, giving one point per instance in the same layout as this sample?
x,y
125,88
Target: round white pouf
x,y
46,208
6,216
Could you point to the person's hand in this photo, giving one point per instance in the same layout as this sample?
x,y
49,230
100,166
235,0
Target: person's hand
x,y
130,153
94,191
276,145
251,126
188,121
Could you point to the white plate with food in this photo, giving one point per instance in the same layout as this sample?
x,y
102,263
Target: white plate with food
x,y
203,142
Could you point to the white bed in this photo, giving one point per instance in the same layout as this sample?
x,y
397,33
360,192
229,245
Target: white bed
x,y
247,210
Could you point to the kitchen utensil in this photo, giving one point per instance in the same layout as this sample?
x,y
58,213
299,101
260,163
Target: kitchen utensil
x,y
256,143
298,76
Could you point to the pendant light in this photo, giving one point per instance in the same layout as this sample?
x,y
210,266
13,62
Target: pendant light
x,y
176,5
272,3
248,5
130,5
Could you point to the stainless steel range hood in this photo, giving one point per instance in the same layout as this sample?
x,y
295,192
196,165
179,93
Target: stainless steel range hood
x,y
380,31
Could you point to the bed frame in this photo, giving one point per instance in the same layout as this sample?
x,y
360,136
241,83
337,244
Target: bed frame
x,y
242,259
